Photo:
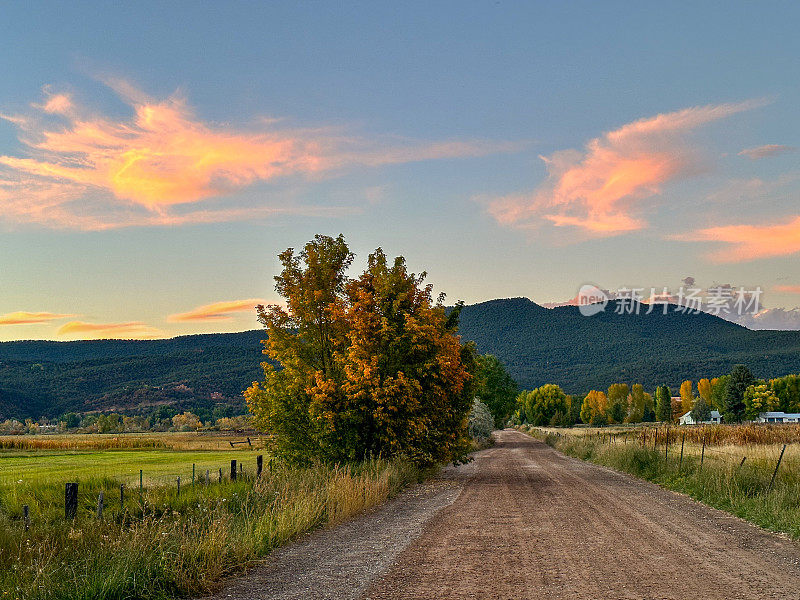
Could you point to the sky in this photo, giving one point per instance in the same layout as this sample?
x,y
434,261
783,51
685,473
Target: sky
x,y
155,157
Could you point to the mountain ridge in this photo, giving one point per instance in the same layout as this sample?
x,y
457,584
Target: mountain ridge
x,y
537,344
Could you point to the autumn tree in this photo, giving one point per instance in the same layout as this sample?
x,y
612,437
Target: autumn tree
x,y
759,398
406,368
687,396
617,402
370,366
663,403
595,405
544,403
704,390
496,388
301,341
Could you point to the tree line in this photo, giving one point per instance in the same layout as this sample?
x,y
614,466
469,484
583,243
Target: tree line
x,y
738,396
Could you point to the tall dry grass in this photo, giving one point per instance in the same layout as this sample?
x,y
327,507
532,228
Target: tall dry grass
x,y
161,545
746,434
127,441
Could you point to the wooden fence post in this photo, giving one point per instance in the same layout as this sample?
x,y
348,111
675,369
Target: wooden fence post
x,y
775,472
666,444
703,452
220,474
70,500
744,458
259,465
179,485
233,470
121,497
141,480
192,474
683,441
100,506
26,517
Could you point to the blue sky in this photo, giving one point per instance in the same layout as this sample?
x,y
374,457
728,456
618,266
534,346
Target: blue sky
x,y
509,149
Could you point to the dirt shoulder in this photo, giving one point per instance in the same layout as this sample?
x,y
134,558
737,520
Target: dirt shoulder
x,y
338,563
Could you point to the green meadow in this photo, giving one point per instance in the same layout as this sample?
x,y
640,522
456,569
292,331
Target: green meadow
x,y
159,467
159,543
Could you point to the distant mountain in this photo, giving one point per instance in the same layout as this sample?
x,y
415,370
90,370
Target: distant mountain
x,y
559,345
44,378
538,345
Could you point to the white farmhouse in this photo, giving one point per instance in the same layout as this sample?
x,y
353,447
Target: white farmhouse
x,y
687,419
778,417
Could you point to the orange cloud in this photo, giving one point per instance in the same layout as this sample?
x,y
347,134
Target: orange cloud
x,y
760,152
601,188
750,242
218,311
25,318
98,173
129,330
788,289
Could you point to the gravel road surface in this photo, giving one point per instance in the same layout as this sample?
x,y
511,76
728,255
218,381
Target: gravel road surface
x,y
524,521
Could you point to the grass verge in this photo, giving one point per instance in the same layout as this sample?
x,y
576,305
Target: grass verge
x,y
726,484
160,544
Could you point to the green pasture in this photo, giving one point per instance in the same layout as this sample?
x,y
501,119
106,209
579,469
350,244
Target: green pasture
x,y
159,467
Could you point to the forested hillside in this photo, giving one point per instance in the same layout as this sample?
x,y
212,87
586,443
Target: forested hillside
x,y
538,345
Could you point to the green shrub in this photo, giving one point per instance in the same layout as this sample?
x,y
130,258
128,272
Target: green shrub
x,y
481,421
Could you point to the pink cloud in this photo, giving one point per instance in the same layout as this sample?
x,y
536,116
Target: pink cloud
x,y
58,104
750,242
158,166
601,189
766,151
129,330
218,311
787,289
26,318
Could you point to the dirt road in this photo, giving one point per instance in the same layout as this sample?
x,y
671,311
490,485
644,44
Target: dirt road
x,y
531,523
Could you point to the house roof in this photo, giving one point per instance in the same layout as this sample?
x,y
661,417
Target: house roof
x,y
764,415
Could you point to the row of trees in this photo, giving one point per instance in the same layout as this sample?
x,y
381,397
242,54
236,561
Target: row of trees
x,y
549,405
740,395
737,396
120,423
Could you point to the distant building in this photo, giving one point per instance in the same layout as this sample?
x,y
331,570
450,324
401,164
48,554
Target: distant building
x,y
778,417
687,419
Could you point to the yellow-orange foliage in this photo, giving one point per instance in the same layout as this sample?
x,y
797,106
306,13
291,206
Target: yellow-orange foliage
x,y
595,403
687,397
369,366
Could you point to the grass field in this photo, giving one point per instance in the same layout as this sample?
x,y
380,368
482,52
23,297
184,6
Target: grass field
x,y
162,458
161,544
714,474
